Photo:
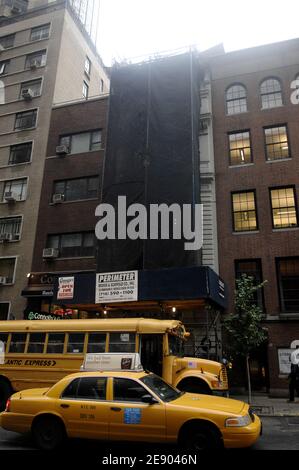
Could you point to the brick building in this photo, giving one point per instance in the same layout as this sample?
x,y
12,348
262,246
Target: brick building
x,y
256,145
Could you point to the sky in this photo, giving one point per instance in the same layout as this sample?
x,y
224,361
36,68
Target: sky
x,y
136,29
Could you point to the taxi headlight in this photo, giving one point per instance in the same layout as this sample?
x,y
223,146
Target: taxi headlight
x,y
238,421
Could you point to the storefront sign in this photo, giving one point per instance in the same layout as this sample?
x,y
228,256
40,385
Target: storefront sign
x,y
116,287
65,288
42,316
284,360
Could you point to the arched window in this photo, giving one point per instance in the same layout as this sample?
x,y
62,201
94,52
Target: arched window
x,y
271,94
236,99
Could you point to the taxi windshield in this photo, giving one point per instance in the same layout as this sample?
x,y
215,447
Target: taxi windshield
x,y
164,391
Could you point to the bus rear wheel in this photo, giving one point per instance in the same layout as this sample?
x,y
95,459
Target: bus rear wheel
x,y
5,392
48,433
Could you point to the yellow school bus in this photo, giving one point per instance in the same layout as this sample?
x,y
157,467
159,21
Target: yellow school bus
x,y
39,353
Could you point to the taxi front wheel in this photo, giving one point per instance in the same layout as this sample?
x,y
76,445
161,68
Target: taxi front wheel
x,y
201,437
48,433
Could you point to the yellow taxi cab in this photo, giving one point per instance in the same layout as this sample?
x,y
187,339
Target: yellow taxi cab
x,y
129,406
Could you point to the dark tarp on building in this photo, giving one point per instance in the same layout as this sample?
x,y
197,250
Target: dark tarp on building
x,y
152,154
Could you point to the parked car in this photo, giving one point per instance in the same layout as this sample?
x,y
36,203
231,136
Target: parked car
x,y
129,406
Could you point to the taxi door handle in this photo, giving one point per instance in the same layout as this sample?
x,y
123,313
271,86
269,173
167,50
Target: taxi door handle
x,y
114,408
64,405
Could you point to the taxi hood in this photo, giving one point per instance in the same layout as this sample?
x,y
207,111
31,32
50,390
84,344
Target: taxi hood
x,y
208,402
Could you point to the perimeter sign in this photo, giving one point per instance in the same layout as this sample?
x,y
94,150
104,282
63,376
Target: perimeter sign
x,y
119,286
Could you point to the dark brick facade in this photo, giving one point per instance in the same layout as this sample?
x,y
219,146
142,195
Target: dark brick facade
x,y
250,67
77,216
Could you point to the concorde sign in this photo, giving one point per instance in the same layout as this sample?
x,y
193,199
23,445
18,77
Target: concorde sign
x,y
116,287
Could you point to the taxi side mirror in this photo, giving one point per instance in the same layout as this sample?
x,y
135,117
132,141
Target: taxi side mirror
x,y
149,399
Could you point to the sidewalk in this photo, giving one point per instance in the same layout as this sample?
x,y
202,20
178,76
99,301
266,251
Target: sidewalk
x,y
265,406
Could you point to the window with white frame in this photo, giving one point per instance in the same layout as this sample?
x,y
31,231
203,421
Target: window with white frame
x,y
36,59
271,93
85,90
236,99
4,67
11,226
87,65
7,270
33,85
7,41
40,32
16,189
83,142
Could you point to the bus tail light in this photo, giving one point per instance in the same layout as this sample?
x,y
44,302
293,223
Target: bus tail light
x,y
7,407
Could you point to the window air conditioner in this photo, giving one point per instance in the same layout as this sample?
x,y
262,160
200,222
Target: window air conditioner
x,y
62,150
5,237
50,253
27,94
3,280
10,196
34,64
58,198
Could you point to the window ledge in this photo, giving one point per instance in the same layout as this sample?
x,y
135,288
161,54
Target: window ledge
x,y
285,229
241,165
15,164
272,107
12,202
70,257
279,160
246,232
237,114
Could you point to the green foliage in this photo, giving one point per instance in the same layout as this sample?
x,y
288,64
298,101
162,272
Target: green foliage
x,y
243,327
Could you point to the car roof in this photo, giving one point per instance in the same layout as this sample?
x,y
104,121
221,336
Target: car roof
x,y
111,373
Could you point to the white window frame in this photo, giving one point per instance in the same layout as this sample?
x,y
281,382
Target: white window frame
x,y
21,225
15,268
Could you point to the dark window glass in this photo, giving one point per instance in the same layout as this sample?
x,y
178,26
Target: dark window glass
x,y
122,342
7,269
252,268
288,278
73,245
283,205
20,153
36,343
11,226
83,142
277,145
26,119
92,388
244,211
55,343
127,390
236,99
239,148
3,336
76,189
71,390
87,67
41,32
271,94
96,343
4,67
7,41
17,343
76,343
85,90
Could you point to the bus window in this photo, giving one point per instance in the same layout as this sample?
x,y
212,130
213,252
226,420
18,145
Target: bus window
x,y
96,343
122,342
17,342
4,339
176,346
36,343
55,343
76,343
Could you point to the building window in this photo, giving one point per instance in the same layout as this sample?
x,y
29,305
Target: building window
x,y
283,205
14,189
253,268
288,280
12,227
4,311
7,270
34,86
4,67
244,211
83,142
20,153
79,188
85,90
26,120
7,41
87,65
277,144
73,245
101,85
236,99
41,32
239,148
271,94
37,59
